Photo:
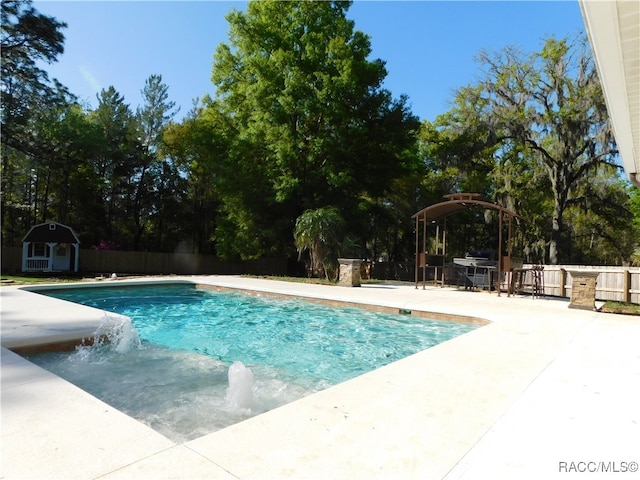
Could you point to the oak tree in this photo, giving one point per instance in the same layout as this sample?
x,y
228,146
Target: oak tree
x,y
306,121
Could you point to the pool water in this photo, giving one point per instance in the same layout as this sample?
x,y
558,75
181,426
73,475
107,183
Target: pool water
x,y
176,380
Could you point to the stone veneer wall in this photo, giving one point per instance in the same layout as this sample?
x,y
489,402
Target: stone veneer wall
x,y
583,290
349,272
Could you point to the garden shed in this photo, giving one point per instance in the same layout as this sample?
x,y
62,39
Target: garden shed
x,y
50,247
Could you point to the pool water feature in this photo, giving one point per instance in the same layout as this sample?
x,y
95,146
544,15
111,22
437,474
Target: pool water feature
x,y
174,369
240,391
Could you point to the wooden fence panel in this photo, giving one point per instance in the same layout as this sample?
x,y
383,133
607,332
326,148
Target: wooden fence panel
x,y
106,262
11,259
554,282
613,283
634,287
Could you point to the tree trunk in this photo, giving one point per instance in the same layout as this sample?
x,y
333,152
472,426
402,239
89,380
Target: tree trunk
x,y
553,247
557,227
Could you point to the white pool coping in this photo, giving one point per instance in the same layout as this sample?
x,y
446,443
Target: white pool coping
x,y
540,387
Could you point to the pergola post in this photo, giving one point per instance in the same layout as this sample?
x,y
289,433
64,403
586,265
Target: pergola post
x,y
436,251
499,279
424,252
415,268
444,250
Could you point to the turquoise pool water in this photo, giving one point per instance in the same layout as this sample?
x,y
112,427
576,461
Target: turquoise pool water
x,y
191,336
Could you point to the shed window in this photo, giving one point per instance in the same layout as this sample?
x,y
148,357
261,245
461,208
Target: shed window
x,y
38,250
52,226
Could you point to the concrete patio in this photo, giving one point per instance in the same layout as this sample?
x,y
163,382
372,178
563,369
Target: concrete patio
x,y
539,392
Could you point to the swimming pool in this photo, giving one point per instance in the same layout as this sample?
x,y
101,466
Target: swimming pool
x,y
177,381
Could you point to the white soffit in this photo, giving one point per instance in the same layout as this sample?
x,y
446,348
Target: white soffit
x,y
613,28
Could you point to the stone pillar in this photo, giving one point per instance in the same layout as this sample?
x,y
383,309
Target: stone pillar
x,y
583,289
349,272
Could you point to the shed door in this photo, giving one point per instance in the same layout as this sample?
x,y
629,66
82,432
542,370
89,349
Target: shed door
x,y
61,256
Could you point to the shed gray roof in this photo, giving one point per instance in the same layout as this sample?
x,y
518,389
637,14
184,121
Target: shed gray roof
x,y
53,232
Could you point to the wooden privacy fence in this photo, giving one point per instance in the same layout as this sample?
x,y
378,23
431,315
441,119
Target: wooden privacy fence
x,y
107,262
620,284
613,283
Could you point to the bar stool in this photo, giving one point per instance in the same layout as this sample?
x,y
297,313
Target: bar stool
x,y
537,281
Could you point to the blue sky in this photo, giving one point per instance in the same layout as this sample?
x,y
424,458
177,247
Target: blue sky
x,y
428,46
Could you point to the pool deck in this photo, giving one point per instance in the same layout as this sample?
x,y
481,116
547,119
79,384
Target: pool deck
x,y
540,392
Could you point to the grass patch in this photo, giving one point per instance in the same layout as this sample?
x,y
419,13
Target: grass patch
x,y
313,281
621,308
31,280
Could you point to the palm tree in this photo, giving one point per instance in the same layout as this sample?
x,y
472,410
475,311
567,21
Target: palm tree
x,y
319,231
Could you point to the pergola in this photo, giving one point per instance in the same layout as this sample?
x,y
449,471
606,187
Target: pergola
x,y
455,203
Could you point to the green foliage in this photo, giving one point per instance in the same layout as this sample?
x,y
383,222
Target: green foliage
x,y
320,233
634,208
62,172
534,135
156,112
27,37
190,148
634,205
305,117
146,179
300,121
552,104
